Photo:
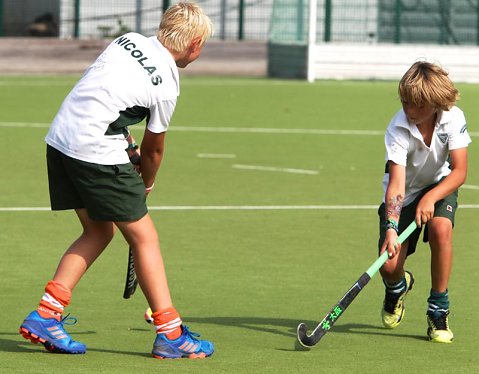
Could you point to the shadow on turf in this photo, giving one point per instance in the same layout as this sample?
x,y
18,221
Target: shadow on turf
x,y
263,324
266,325
24,346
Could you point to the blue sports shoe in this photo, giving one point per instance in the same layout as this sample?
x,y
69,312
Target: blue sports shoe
x,y
186,346
50,333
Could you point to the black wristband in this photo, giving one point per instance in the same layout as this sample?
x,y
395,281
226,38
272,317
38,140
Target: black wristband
x,y
135,159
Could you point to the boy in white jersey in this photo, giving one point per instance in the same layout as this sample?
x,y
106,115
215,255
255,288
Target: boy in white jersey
x,y
89,149
426,162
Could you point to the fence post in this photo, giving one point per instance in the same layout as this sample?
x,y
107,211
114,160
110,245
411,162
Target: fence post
x,y
223,19
397,22
76,19
312,28
328,9
1,17
241,20
166,5
445,36
138,16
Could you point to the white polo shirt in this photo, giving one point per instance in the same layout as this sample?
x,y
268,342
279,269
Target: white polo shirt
x,y
424,165
133,79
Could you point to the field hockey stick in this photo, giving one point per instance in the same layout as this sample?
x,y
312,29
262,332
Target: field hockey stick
x,y
131,281
337,311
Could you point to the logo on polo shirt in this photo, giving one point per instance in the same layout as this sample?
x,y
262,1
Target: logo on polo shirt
x,y
442,137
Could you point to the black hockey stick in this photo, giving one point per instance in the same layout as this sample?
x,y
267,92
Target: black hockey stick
x,y
131,281
337,311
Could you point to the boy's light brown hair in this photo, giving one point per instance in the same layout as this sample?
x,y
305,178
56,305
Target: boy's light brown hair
x,y
428,83
181,23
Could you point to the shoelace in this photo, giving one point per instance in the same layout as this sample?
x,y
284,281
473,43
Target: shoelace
x,y
390,303
190,334
440,323
67,320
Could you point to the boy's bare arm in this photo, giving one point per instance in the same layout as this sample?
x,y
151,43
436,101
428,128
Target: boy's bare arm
x,y
152,150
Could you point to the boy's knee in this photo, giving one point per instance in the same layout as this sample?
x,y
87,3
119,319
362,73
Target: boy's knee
x,y
440,230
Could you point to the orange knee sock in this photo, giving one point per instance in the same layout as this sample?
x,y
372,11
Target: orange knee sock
x,y
167,321
54,300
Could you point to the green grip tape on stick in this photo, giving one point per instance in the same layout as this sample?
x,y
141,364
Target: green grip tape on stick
x,y
384,256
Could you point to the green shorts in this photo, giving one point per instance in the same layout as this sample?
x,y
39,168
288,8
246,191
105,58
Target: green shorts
x,y
443,208
108,192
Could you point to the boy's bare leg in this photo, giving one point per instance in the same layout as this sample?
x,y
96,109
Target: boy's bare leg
x,y
84,251
45,325
143,239
440,240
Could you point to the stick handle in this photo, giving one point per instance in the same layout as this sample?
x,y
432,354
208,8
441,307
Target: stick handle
x,y
384,256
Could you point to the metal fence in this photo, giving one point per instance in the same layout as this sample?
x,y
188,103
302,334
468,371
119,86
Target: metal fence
x,y
238,19
374,21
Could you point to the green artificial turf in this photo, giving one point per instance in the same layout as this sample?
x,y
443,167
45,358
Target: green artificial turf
x,y
266,210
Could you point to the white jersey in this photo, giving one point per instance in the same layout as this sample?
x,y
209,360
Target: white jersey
x,y
424,165
133,79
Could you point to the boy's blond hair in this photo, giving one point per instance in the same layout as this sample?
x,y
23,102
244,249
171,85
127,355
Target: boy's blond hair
x,y
428,83
181,23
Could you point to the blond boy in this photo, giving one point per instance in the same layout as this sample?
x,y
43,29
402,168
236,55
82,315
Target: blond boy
x,y
89,148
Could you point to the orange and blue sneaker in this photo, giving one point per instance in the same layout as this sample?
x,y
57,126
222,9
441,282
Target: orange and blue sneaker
x,y
50,333
186,346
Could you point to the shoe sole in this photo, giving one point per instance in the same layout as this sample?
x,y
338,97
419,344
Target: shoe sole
x,y
191,356
440,341
35,339
432,340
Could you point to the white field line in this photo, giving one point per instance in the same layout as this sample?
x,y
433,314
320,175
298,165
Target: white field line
x,y
265,130
236,207
216,155
191,82
36,83
185,82
27,125
257,130
469,187
274,169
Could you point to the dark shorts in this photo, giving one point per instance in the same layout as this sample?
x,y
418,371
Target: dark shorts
x,y
108,192
443,208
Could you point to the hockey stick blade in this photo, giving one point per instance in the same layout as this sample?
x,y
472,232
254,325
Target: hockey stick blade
x,y
131,281
328,322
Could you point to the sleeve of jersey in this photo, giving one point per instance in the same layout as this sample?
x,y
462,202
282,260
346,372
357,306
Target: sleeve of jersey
x,y
396,141
160,116
458,135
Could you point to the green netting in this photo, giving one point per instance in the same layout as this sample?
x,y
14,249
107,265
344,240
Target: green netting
x,y
289,21
454,22
429,21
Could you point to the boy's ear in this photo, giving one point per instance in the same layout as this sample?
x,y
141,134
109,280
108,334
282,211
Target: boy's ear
x,y
195,43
